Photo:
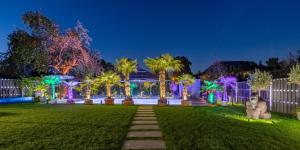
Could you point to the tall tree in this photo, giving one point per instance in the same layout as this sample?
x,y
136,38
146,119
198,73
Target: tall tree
x,y
24,55
67,52
161,65
186,65
107,66
126,66
40,25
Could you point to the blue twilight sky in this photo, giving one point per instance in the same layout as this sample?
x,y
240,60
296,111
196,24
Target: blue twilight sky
x,y
204,31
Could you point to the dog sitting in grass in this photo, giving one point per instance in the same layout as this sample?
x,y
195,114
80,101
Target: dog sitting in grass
x,y
256,108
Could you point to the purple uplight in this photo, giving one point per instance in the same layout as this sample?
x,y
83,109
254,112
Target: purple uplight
x,y
71,85
228,81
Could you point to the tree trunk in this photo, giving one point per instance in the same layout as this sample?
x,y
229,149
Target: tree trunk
x,y
108,93
88,93
184,92
225,96
127,87
53,91
162,80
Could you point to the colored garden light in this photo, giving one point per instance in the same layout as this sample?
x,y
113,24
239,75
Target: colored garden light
x,y
52,80
210,88
132,86
228,81
70,85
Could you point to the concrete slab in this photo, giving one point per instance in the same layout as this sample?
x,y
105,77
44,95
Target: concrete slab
x,y
144,127
144,122
150,112
144,144
144,115
143,134
144,118
144,110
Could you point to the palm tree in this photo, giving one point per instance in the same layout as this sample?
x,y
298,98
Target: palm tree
x,y
210,88
230,82
87,85
126,66
186,80
109,79
161,65
52,80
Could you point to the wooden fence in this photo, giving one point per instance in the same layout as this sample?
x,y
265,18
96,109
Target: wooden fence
x,y
281,96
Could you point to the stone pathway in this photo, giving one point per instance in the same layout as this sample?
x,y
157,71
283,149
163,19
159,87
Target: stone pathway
x,y
144,132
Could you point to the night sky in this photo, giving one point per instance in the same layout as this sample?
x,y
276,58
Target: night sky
x,y
203,31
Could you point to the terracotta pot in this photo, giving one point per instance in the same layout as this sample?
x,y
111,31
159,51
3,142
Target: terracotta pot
x,y
88,102
109,101
162,102
185,103
128,102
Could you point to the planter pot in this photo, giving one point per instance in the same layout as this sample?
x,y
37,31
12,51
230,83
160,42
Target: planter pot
x,y
162,102
212,105
128,102
109,101
185,103
53,101
70,101
88,102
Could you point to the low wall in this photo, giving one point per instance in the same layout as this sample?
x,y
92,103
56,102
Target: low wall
x,y
16,100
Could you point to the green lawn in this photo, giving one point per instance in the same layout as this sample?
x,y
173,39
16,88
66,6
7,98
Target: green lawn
x,y
33,126
225,128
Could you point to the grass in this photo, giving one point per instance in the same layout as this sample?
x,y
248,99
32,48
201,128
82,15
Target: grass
x,y
226,128
33,126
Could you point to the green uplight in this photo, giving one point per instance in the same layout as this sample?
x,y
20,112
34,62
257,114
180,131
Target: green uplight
x,y
210,88
52,80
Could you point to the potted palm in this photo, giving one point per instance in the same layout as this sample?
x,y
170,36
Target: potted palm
x,y
294,78
210,88
52,81
161,65
108,79
86,85
186,80
227,82
40,90
126,66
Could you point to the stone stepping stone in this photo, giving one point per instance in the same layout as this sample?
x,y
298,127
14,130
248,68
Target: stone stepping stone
x,y
143,134
145,115
144,122
144,118
145,112
145,107
144,127
144,144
